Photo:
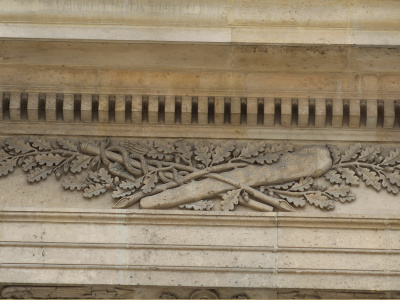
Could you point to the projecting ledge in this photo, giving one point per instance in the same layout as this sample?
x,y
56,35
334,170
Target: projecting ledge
x,y
192,249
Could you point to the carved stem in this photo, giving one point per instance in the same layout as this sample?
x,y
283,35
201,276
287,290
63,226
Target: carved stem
x,y
358,164
278,203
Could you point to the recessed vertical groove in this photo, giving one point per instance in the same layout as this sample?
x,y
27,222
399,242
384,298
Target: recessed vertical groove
x,y
111,108
59,107
346,113
278,112
128,109
381,112
243,110
178,110
211,110
260,111
24,106
161,109
145,109
295,112
227,110
329,113
95,108
77,108
42,107
311,113
396,114
6,106
195,110
363,113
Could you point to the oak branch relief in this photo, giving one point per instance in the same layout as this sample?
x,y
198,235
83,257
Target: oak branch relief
x,y
163,174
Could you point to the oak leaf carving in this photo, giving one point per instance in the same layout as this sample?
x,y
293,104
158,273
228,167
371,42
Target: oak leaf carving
x,y
75,183
222,151
333,176
199,205
393,158
370,178
7,166
390,187
335,153
296,201
252,149
369,153
304,183
40,143
80,162
49,159
202,152
149,182
349,176
230,199
319,200
39,173
19,145
67,144
351,152
338,191
94,190
29,163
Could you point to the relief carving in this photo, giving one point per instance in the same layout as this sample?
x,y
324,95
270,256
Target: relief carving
x,y
163,174
52,292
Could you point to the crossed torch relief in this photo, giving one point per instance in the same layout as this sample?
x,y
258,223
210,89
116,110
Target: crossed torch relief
x,y
162,174
312,161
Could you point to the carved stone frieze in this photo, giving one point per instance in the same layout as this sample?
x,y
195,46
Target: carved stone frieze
x,y
185,174
48,292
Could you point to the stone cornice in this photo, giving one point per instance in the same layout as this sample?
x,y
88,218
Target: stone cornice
x,y
264,22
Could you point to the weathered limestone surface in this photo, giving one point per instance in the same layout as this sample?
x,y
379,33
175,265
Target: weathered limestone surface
x,y
247,250
239,21
310,73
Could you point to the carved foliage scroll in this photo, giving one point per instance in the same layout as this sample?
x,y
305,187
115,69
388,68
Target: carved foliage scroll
x,y
159,173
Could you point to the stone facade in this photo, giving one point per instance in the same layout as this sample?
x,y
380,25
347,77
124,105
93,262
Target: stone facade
x,y
213,149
